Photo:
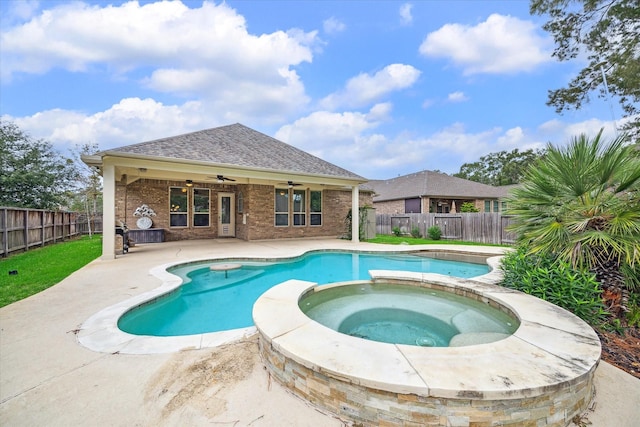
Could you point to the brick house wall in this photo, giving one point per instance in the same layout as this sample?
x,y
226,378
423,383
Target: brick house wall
x,y
255,222
390,207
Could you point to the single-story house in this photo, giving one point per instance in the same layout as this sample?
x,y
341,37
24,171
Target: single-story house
x,y
229,181
434,192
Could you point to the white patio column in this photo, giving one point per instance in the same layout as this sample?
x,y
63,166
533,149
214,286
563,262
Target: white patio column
x,y
108,212
355,214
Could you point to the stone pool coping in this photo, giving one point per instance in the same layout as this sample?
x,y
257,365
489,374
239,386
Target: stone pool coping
x,y
551,348
100,332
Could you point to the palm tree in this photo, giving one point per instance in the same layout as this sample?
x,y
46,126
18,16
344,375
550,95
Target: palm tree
x,y
581,204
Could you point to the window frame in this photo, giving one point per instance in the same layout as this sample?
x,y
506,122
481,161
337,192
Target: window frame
x,y
411,204
301,215
196,214
315,214
282,192
173,213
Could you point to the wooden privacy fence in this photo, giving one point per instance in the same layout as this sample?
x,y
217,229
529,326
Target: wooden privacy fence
x,y
468,227
22,229
89,223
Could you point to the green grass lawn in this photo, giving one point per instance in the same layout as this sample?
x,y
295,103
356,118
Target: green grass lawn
x,y
408,240
39,269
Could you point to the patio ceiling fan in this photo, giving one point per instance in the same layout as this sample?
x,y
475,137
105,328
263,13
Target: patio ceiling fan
x,y
220,178
289,184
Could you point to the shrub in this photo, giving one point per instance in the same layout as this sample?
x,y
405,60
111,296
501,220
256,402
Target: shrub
x,y
434,232
555,281
348,222
396,231
468,207
633,316
415,232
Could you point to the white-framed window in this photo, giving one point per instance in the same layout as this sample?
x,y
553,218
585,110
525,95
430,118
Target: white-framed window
x,y
282,207
201,207
487,205
299,207
315,208
178,206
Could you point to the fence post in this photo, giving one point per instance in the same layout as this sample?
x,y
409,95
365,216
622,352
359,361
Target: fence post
x,y
5,233
26,229
42,234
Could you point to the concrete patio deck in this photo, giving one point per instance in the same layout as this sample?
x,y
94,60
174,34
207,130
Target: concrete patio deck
x,y
48,378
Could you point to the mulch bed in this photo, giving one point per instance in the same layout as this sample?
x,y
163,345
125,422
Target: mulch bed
x,y
622,351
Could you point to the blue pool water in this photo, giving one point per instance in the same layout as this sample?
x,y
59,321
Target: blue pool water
x,y
211,301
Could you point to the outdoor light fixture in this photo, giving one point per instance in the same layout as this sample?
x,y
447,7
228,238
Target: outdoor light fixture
x,y
189,183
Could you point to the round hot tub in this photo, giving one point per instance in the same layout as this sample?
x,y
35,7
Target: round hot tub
x,y
395,325
405,314
539,372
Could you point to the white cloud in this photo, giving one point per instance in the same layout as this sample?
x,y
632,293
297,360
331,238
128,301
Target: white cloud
x,y
380,112
204,52
353,140
560,133
427,103
130,121
366,88
356,142
75,36
323,127
405,14
457,97
19,11
499,45
333,26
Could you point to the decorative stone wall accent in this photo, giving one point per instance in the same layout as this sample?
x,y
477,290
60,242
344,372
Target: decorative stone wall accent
x,y
362,404
540,376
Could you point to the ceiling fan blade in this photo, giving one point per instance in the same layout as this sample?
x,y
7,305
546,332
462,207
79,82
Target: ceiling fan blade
x,y
224,178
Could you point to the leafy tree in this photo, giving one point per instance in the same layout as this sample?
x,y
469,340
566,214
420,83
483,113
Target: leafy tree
x,y
88,196
580,203
32,174
502,168
608,31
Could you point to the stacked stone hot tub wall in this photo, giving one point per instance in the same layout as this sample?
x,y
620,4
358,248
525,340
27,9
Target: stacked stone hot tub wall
x,y
540,376
372,407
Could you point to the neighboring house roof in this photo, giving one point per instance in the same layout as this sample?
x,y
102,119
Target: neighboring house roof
x,y
432,184
235,146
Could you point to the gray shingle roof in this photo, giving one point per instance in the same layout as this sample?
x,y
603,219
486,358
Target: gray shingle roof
x,y
431,184
237,145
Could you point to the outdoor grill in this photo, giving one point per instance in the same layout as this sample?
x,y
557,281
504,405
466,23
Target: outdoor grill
x,y
123,231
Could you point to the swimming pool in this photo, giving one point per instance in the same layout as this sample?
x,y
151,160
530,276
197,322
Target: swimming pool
x,y
211,301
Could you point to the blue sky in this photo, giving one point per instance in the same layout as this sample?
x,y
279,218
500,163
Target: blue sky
x,y
381,88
